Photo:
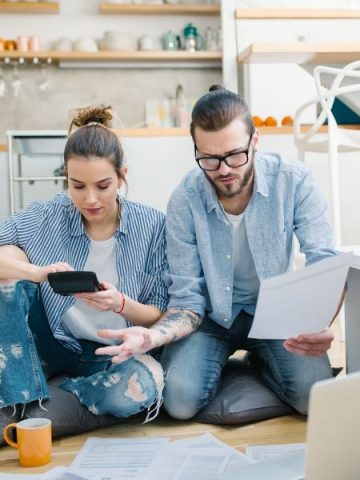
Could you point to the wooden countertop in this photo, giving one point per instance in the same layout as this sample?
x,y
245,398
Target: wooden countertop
x,y
184,132
132,132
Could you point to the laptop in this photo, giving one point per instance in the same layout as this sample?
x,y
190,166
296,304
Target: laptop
x,y
333,432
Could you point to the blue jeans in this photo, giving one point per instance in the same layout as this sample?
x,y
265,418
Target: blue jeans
x,y
29,354
193,367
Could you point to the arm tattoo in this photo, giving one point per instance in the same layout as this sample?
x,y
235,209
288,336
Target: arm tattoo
x,y
177,323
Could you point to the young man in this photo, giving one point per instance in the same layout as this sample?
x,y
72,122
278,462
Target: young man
x,y
231,223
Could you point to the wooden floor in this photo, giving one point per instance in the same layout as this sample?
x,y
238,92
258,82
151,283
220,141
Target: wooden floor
x,y
286,429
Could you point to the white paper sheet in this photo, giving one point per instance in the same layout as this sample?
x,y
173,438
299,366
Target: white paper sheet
x,y
61,473
57,473
202,457
303,301
11,476
204,464
236,458
118,458
185,463
258,453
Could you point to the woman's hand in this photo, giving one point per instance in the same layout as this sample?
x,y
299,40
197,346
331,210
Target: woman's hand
x,y
108,299
135,340
40,274
310,345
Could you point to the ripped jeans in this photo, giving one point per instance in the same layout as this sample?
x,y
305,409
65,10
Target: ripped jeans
x,y
29,354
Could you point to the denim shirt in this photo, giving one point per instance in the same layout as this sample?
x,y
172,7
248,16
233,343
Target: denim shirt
x,y
53,231
285,201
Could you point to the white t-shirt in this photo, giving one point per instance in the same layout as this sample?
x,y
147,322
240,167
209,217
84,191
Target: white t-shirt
x,y
82,321
246,281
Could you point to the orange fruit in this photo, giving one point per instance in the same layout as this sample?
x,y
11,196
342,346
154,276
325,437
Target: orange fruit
x,y
270,121
258,122
287,121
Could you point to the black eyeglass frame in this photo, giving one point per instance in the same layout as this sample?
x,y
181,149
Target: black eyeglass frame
x,y
222,158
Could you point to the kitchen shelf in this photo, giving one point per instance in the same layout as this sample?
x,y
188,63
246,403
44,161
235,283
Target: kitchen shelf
x,y
201,56
295,13
300,52
29,7
149,9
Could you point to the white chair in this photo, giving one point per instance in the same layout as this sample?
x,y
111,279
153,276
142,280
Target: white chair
x,y
336,139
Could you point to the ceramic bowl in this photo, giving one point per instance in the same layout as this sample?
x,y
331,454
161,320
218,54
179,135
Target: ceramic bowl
x,y
85,44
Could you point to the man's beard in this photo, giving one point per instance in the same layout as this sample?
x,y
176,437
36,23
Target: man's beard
x,y
227,192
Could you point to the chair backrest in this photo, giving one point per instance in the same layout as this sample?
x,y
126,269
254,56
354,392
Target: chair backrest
x,y
326,97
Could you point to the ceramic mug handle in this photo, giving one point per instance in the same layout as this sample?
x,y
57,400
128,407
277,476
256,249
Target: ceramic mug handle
x,y
6,436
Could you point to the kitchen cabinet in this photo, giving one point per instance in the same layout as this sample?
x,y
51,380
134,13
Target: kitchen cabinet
x,y
29,7
159,9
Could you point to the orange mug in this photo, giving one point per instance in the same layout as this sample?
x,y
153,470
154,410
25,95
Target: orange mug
x,y
33,441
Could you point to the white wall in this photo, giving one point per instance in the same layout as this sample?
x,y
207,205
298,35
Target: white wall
x,y
156,165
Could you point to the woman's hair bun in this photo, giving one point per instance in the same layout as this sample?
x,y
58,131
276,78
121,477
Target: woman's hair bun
x,y
93,114
216,87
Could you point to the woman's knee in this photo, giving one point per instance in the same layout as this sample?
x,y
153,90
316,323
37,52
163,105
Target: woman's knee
x,y
123,390
11,251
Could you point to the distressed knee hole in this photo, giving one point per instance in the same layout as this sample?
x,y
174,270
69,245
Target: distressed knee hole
x,y
134,389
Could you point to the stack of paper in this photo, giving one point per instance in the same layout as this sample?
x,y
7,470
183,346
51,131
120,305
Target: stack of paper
x,y
203,457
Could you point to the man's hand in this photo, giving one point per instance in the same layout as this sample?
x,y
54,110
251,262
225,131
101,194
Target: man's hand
x,y
135,340
311,344
174,325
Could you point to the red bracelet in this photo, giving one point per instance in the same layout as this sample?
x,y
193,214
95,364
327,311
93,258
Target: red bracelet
x,y
122,304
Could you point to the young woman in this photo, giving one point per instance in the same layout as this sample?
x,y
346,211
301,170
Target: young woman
x,y
90,228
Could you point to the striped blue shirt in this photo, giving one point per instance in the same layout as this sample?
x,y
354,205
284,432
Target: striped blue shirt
x,y
50,232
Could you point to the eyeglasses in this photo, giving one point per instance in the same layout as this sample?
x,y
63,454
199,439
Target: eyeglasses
x,y
232,160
